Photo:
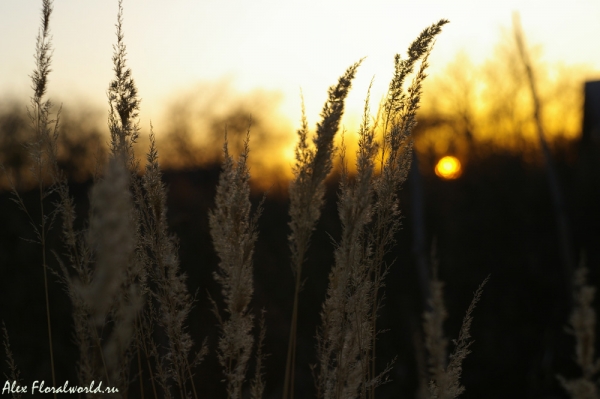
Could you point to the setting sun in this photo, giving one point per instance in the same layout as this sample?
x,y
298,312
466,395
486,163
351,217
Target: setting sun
x,y
448,168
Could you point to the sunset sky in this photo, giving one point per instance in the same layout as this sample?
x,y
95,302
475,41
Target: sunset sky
x,y
273,47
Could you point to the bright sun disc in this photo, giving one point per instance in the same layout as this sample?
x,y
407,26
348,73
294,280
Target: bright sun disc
x,y
448,168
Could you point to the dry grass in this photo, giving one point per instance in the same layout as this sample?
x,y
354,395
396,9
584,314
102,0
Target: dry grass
x,y
14,375
306,196
43,152
582,325
234,234
445,371
130,299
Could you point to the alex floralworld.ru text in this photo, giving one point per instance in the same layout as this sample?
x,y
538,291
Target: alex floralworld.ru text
x,y
39,387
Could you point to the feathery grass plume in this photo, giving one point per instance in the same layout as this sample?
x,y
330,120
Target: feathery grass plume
x,y
14,375
257,387
347,337
399,108
445,376
234,234
462,345
344,337
42,149
85,334
348,334
125,281
80,256
170,291
582,325
111,237
306,195
110,295
156,249
396,118
123,100
436,342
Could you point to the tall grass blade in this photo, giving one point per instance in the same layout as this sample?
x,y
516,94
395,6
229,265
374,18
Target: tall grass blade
x,y
306,196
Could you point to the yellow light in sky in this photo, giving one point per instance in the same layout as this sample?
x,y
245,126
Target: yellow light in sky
x,y
448,168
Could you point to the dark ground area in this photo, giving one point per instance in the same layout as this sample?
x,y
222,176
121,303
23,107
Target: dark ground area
x,y
496,219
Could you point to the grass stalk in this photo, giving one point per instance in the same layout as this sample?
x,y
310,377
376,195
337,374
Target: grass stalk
x,y
562,224
15,374
142,339
191,377
170,291
233,231
397,119
42,149
444,375
306,195
140,373
48,318
369,212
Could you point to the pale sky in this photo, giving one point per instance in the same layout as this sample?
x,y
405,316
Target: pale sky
x,y
273,45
